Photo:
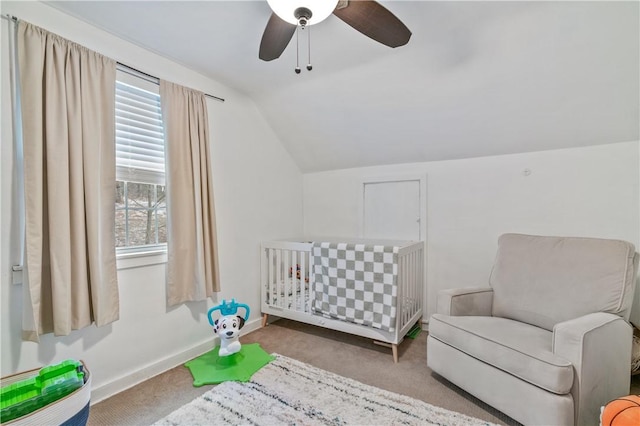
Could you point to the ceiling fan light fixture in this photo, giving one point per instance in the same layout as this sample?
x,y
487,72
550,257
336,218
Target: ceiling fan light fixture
x,y
320,9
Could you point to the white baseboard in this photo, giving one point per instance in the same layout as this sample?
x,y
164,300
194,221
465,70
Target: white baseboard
x,y
160,366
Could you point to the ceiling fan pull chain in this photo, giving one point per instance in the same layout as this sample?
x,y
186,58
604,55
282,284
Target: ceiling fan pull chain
x,y
309,67
297,51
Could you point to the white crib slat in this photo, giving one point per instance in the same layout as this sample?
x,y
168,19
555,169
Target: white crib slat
x,y
410,287
270,279
402,279
413,283
285,278
312,279
278,293
264,273
293,280
408,301
409,281
421,278
405,290
303,282
419,272
401,293
416,279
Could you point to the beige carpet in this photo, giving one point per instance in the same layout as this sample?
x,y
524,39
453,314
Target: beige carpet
x,y
340,353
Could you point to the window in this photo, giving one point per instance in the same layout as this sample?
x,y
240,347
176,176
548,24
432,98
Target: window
x,y
141,212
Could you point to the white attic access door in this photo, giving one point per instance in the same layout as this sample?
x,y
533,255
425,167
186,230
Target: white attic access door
x,y
393,208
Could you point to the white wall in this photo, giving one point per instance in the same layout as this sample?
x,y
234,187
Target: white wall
x,y
258,196
591,191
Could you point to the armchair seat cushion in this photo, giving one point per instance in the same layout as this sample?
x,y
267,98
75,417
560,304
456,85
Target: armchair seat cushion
x,y
517,348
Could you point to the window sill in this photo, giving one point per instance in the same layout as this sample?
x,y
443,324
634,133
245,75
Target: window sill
x,y
123,261
140,259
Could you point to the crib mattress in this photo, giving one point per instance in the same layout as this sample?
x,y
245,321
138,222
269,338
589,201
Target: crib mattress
x,y
295,302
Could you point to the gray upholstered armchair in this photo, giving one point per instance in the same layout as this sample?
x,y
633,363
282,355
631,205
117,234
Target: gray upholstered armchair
x,y
548,342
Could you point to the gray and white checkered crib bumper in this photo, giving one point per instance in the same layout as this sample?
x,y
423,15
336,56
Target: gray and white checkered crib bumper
x,y
356,283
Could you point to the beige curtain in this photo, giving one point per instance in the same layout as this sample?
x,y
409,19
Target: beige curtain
x,y
68,108
192,262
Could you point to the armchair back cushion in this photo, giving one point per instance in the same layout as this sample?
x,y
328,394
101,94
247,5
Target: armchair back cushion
x,y
546,280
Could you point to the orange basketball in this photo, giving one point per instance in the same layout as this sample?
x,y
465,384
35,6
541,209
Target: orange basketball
x,y
624,411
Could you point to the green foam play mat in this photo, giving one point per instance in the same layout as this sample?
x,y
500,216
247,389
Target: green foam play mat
x,y
211,369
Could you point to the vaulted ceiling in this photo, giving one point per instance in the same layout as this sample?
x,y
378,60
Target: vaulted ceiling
x,y
477,78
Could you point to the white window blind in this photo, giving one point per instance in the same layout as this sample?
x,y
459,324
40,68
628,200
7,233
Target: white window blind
x,y
139,135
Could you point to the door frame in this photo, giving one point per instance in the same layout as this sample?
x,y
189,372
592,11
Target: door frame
x,y
393,178
403,177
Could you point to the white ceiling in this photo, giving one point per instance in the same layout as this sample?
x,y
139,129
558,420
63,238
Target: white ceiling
x,y
477,78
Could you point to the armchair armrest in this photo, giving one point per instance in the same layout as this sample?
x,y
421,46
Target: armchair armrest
x,y
599,347
465,301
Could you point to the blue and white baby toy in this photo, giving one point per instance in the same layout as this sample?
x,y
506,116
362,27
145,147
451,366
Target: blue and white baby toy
x,y
228,326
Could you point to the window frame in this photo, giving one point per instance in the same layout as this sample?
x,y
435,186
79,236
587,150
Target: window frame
x,y
141,255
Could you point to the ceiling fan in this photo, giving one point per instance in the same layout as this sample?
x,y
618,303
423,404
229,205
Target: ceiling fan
x,y
369,17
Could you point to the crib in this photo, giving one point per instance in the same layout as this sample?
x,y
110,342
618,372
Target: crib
x,y
300,281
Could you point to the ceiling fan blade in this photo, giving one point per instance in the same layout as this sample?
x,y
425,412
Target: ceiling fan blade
x,y
375,21
277,35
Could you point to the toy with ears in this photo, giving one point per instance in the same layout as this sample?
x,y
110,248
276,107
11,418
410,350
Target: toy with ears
x,y
228,326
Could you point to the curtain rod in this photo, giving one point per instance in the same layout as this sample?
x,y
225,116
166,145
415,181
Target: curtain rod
x,y
124,67
150,78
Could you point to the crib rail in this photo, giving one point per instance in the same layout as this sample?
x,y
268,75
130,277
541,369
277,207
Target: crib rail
x,y
410,287
285,270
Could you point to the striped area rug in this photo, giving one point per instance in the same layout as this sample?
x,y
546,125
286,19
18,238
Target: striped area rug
x,y
290,392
